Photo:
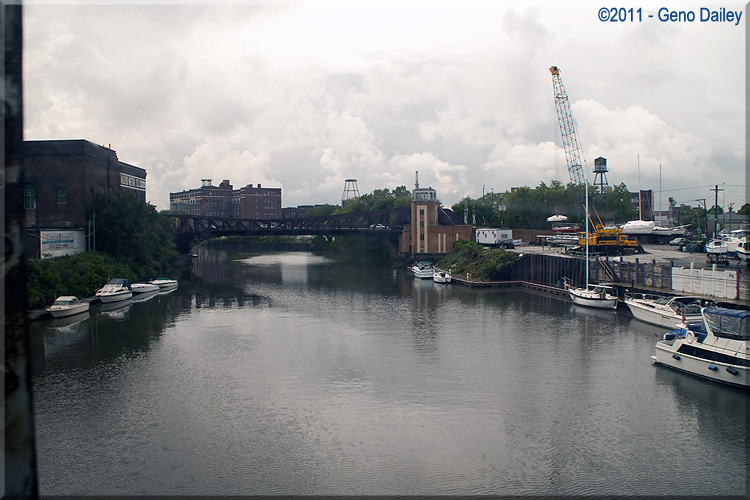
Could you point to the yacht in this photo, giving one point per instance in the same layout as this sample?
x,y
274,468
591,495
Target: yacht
x,y
666,311
422,270
716,349
116,290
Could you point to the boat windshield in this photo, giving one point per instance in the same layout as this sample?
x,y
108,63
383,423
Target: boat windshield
x,y
662,301
728,323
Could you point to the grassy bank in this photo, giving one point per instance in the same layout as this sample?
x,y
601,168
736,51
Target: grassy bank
x,y
479,262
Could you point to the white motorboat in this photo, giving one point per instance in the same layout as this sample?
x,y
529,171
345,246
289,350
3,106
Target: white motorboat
x,y
716,246
114,291
144,287
717,349
598,296
67,305
422,270
666,311
164,283
440,276
743,250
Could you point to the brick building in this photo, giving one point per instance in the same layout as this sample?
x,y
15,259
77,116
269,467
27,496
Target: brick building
x,y
247,202
433,229
60,180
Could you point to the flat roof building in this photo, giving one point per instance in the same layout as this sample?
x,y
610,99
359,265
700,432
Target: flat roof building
x,y
247,202
61,178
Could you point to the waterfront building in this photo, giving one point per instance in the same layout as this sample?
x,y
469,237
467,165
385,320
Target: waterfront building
x,y
433,229
247,202
61,178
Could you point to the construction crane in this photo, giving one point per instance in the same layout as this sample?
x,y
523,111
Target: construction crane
x,y
567,129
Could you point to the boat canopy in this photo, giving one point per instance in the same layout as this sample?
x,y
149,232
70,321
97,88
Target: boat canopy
x,y
557,218
728,323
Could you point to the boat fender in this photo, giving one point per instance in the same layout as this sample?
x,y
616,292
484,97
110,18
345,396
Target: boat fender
x,y
712,368
689,336
676,356
732,370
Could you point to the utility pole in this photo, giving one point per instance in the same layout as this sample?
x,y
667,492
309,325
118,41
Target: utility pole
x,y
716,208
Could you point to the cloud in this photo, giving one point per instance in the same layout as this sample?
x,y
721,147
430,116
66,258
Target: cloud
x,y
304,96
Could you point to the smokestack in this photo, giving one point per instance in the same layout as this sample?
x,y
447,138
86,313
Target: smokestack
x,y
416,179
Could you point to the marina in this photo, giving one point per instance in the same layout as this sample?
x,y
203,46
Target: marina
x,y
293,374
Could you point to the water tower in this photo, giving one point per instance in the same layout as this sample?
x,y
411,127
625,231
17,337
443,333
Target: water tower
x,y
350,190
600,172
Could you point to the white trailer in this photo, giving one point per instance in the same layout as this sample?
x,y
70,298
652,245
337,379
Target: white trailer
x,y
496,237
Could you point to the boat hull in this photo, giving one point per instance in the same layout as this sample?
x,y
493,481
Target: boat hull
x,y
667,355
114,296
588,298
652,315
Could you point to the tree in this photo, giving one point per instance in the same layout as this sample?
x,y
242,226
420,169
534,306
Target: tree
x,y
378,200
133,232
744,209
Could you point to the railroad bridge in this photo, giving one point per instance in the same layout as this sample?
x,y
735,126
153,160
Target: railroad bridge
x,y
385,224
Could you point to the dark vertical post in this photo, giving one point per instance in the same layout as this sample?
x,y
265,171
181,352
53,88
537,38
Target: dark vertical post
x,y
20,456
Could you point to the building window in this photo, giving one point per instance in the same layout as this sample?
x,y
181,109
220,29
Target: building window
x,y
62,196
29,197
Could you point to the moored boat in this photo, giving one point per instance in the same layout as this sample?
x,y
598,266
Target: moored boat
x,y
598,296
116,290
440,276
144,287
666,311
67,305
716,349
422,270
164,283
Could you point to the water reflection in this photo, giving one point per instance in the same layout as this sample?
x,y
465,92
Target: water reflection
x,y
294,374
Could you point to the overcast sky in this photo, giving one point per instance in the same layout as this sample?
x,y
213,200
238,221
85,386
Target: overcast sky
x,y
303,95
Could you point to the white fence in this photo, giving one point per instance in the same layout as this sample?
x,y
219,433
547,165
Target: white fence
x,y
724,284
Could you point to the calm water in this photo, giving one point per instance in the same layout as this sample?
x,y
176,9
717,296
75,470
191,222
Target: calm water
x,y
292,374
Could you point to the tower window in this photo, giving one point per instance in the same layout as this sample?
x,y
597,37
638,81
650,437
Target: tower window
x,y
29,197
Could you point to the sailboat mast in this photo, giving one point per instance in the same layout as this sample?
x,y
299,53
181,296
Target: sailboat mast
x,y
587,235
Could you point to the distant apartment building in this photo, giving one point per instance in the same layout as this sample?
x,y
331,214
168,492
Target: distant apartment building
x,y
247,202
61,178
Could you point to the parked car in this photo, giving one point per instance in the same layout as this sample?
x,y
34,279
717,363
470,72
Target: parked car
x,y
678,242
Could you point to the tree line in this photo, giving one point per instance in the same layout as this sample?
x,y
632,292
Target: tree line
x,y
528,208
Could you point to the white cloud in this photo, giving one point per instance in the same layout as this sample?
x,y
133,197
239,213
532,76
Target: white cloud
x,y
305,95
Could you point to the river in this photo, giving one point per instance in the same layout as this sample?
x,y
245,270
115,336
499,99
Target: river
x,y
294,374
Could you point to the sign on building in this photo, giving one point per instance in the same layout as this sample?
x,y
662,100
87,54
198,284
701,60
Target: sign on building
x,y
59,242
